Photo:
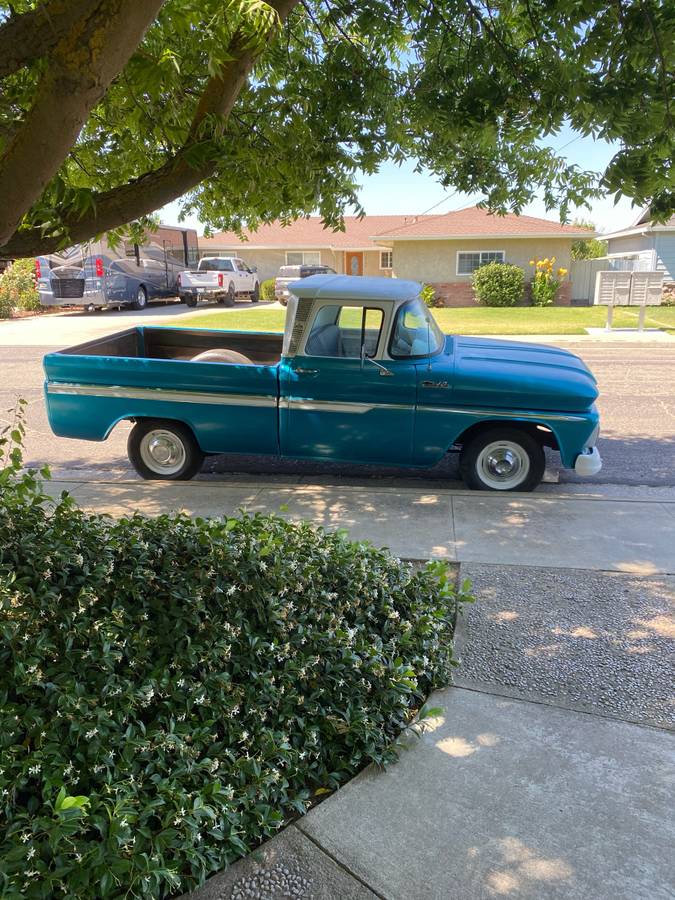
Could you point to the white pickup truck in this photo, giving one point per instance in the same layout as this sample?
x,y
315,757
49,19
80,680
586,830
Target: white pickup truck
x,y
220,278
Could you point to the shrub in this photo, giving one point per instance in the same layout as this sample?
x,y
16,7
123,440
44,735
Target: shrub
x,y
17,288
499,284
267,289
428,295
174,690
545,284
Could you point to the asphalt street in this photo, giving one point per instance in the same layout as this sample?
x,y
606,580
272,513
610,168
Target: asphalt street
x,y
637,406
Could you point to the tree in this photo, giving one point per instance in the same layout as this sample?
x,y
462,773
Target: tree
x,y
591,248
259,110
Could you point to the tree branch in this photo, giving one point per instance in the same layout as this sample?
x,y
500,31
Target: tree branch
x,y
179,174
33,34
81,67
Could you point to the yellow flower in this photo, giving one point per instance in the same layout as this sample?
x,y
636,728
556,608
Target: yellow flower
x,y
553,259
531,262
562,272
546,261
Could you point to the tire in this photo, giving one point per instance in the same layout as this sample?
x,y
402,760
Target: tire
x,y
502,459
190,301
231,296
164,451
255,296
141,300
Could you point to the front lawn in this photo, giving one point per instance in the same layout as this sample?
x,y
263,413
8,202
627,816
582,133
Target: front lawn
x,y
172,691
472,320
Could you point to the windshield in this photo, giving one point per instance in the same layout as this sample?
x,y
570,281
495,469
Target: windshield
x,y
416,332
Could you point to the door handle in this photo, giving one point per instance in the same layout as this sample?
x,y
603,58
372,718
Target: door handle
x,y
307,371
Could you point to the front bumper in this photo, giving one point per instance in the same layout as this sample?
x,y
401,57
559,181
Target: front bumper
x,y
588,463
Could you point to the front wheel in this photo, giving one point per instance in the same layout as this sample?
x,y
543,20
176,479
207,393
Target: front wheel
x,y
166,451
502,459
141,300
255,296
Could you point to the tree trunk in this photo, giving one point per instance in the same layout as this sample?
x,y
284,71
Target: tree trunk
x,y
81,67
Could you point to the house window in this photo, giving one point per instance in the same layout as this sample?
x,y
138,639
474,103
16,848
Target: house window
x,y
470,260
386,259
303,257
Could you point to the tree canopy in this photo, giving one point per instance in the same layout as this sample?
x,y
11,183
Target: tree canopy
x,y
256,110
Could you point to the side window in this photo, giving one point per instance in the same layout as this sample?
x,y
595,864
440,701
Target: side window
x,y
339,331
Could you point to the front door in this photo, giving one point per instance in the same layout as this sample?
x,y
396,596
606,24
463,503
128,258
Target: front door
x,y
334,406
353,263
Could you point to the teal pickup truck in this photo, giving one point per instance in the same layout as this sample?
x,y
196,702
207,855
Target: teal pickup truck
x,y
362,374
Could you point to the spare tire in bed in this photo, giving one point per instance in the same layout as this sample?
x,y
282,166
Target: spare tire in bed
x,y
222,355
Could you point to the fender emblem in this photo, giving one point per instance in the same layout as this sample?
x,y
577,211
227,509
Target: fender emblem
x,y
434,384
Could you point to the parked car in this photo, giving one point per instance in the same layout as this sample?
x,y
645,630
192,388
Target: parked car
x,y
219,278
113,273
287,274
362,374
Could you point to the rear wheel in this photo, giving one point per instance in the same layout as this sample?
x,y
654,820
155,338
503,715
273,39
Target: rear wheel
x,y
230,296
502,459
141,300
190,301
166,451
255,296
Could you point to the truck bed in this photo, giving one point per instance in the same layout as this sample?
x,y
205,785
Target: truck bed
x,y
181,343
146,372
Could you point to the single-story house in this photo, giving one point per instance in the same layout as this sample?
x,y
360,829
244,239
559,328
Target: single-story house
x,y
646,245
441,250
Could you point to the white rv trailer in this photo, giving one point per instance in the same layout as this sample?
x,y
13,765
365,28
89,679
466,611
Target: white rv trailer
x,y
97,275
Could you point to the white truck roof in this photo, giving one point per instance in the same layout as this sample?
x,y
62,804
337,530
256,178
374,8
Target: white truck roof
x,y
355,287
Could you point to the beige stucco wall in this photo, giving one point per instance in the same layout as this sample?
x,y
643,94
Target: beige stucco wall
x,y
436,261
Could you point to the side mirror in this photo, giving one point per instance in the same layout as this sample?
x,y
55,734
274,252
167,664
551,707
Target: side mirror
x,y
253,268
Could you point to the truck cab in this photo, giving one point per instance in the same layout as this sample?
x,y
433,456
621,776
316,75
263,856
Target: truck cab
x,y
362,374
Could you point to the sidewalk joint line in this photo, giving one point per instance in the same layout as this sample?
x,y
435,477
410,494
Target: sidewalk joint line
x,y
345,868
582,712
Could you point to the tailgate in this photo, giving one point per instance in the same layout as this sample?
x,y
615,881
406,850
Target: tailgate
x,y
200,279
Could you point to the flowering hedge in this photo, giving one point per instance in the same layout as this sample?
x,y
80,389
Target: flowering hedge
x,y
173,690
545,284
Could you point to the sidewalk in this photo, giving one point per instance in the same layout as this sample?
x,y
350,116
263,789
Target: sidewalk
x,y
549,771
540,529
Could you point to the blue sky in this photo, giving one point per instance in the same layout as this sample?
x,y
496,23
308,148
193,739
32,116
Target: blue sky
x,y
400,190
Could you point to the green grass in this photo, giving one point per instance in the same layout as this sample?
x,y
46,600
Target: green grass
x,y
473,320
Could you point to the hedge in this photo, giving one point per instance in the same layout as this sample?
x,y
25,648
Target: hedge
x,y
499,284
172,691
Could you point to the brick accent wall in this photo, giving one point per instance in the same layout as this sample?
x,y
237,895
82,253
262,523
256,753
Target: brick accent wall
x,y
460,293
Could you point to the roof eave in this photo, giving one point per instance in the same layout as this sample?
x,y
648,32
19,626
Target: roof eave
x,y
484,237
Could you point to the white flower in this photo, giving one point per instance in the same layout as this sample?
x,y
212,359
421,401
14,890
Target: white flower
x,y
31,853
201,699
34,770
177,821
92,733
123,823
231,590
181,682
25,837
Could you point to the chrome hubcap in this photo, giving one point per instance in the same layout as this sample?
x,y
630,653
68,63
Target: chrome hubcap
x,y
503,465
162,452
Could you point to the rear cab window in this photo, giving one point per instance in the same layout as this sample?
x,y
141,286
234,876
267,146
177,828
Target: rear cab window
x,y
215,265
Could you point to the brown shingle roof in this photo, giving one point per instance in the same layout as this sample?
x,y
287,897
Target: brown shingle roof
x,y
307,233
363,233
480,223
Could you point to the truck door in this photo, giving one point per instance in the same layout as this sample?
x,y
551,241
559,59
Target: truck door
x,y
337,406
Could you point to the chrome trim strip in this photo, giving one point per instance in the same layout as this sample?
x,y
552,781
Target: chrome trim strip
x,y
540,416
335,406
161,394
